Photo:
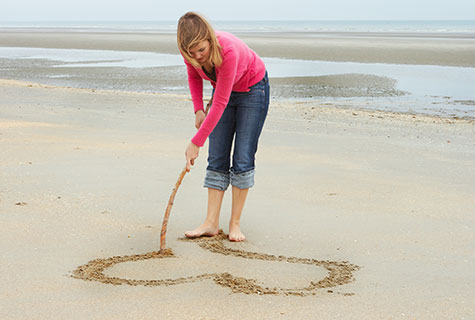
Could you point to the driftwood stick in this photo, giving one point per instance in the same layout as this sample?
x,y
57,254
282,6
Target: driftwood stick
x,y
210,102
163,233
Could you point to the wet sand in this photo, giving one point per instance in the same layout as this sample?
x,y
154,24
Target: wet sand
x,y
371,90
438,49
86,174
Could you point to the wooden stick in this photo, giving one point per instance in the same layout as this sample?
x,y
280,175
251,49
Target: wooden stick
x,y
163,233
210,102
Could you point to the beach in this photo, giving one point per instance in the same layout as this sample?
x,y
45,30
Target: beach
x,y
356,213
403,72
434,49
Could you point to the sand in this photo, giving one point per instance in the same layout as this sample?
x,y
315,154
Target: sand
x,y
339,273
86,176
438,49
356,214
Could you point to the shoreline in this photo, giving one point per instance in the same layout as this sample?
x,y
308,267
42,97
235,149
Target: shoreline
x,y
342,47
423,76
323,103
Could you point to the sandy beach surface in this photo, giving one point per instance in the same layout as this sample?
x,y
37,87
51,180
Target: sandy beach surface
x,y
86,174
404,48
405,72
356,213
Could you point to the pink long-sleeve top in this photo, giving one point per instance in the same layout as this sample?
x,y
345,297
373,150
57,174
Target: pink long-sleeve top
x,y
241,69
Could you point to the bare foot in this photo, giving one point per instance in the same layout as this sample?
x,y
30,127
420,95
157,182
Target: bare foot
x,y
235,234
203,230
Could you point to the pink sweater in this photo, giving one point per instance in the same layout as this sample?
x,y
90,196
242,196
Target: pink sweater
x,y
241,69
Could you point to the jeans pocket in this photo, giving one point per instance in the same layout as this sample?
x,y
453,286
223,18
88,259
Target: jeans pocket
x,y
255,98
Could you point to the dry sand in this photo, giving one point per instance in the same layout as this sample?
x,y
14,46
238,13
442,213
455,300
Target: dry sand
x,y
337,273
87,174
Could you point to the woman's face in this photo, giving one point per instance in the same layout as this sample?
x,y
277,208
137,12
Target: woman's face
x,y
201,52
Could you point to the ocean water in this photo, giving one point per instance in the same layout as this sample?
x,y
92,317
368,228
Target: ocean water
x,y
429,89
305,26
418,80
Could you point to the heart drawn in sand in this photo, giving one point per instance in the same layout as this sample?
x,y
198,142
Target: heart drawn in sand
x,y
339,273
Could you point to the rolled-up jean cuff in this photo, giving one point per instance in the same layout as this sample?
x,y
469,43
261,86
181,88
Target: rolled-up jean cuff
x,y
243,180
216,180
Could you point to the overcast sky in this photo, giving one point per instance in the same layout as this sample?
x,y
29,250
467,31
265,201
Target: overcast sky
x,y
153,10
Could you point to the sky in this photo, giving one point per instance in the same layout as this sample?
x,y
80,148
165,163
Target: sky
x,y
159,10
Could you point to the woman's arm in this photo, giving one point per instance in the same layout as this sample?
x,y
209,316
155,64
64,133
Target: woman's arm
x,y
195,82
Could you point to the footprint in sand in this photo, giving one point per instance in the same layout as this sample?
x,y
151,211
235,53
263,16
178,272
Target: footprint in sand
x,y
328,273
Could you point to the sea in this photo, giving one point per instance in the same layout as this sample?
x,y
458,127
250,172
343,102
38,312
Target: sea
x,y
435,90
416,26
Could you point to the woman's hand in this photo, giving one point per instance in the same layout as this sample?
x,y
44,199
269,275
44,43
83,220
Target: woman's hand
x,y
191,154
199,118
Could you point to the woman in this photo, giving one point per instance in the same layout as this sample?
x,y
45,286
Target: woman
x,y
239,108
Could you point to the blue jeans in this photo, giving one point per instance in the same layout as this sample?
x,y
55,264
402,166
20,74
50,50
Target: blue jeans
x,y
242,121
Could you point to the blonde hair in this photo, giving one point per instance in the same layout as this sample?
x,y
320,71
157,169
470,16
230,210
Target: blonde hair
x,y
192,29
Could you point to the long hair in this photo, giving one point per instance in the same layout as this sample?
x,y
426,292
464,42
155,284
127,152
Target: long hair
x,y
192,29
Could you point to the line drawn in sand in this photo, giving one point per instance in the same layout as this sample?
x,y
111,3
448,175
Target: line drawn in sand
x,y
339,273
